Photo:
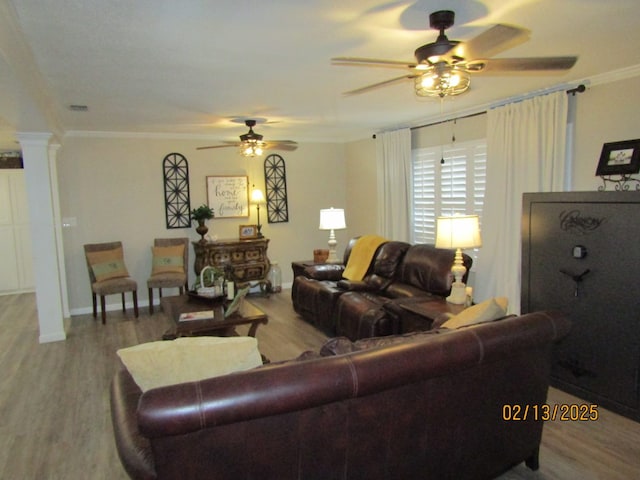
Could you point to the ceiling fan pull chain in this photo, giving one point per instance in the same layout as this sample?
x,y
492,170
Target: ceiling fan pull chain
x,y
441,142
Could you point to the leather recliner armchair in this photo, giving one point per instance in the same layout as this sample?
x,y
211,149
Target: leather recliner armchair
x,y
356,309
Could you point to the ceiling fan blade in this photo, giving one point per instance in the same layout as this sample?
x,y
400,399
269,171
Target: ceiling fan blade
x,y
217,146
490,42
286,145
378,85
371,62
524,65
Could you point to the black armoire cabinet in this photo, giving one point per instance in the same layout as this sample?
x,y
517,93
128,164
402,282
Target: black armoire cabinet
x,y
581,255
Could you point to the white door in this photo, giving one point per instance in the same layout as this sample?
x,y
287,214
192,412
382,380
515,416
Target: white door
x,y
16,272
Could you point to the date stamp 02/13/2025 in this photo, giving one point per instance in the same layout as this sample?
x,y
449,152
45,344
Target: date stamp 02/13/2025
x,y
564,412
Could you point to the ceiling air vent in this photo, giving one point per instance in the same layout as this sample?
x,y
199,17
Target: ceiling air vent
x,y
78,108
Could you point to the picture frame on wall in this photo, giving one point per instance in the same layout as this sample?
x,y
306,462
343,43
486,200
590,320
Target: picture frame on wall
x,y
228,195
619,158
248,231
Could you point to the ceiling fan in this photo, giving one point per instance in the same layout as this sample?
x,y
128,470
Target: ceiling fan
x,y
442,68
251,143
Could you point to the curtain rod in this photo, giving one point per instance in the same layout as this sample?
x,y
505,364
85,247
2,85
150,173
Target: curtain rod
x,y
579,89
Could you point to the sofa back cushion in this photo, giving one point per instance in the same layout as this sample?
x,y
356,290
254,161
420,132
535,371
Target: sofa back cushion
x,y
388,258
429,268
385,264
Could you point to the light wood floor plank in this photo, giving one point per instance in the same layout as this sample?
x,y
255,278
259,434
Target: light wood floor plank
x,y
54,398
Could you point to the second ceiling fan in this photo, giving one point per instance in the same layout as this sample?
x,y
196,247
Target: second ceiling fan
x,y
442,67
251,144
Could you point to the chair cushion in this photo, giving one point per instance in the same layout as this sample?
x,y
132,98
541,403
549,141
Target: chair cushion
x,y
188,359
168,259
167,280
107,264
111,286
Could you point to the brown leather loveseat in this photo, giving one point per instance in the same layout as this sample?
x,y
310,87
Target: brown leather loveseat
x,y
398,271
438,404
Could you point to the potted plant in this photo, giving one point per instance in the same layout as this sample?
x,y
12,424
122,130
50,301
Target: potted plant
x,y
200,214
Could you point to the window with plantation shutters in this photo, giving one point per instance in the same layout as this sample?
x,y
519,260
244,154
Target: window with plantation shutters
x,y
455,185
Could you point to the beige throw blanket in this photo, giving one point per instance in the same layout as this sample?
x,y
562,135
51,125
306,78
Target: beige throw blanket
x,y
361,256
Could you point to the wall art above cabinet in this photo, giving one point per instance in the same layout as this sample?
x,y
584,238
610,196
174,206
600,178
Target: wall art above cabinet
x,y
176,191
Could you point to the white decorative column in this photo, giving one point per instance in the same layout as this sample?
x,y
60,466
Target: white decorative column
x,y
46,267
57,225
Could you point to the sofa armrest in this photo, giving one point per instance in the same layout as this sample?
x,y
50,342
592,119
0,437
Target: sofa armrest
x,y
327,271
440,319
134,449
404,290
371,283
353,285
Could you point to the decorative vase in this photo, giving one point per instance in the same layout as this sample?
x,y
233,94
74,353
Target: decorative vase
x,y
202,230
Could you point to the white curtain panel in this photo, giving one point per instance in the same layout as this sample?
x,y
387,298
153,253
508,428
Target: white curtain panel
x,y
393,155
525,153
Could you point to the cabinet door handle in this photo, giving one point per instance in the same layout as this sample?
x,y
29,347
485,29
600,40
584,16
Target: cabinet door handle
x,y
576,278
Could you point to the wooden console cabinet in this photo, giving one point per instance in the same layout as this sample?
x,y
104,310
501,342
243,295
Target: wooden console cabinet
x,y
247,259
580,255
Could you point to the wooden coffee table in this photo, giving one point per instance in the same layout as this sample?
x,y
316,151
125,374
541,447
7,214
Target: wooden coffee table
x,y
218,325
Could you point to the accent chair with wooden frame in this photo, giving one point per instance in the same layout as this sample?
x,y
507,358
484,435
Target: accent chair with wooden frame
x,y
108,274
169,266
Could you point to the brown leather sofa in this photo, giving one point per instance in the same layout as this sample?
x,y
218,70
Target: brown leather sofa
x,y
398,271
423,405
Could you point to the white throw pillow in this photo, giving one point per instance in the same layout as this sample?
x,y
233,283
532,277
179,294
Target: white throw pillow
x,y
486,311
188,359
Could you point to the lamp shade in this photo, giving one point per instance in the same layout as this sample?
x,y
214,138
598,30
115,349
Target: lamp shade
x,y
332,219
458,231
257,197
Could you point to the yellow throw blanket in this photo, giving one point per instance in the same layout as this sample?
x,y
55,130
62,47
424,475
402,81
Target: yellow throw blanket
x,y
361,256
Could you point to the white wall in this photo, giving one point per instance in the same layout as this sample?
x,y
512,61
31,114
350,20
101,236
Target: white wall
x,y
605,113
113,188
361,181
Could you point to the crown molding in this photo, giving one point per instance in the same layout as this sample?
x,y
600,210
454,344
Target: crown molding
x,y
138,135
613,76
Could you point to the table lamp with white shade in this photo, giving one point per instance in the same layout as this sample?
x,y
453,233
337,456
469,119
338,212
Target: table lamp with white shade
x,y
332,219
458,231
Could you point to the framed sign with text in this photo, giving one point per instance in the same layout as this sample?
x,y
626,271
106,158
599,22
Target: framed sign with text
x,y
228,196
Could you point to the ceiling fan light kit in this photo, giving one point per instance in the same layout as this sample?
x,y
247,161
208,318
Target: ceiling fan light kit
x,y
252,148
251,144
442,80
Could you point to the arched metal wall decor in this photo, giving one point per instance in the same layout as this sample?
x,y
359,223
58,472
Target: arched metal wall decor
x,y
275,177
177,203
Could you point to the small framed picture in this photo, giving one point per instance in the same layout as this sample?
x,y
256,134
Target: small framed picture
x,y
248,231
619,158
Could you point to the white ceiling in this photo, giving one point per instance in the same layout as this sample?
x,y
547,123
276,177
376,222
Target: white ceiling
x,y
197,68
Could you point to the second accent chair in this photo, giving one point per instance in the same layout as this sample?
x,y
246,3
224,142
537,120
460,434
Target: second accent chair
x,y
169,266
108,274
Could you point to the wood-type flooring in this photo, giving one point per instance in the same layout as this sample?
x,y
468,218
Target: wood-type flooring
x,y
54,398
